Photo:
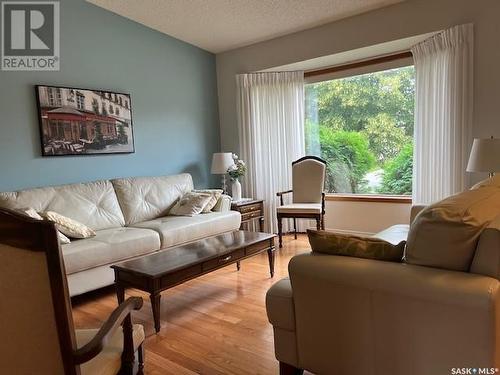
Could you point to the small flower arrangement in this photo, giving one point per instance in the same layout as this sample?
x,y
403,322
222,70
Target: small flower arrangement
x,y
238,169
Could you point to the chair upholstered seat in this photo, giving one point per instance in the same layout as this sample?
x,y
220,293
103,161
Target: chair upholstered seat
x,y
300,208
107,362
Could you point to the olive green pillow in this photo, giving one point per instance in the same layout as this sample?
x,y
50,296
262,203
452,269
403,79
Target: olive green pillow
x,y
355,246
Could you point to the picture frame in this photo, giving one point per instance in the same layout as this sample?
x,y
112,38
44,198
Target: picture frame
x,y
75,121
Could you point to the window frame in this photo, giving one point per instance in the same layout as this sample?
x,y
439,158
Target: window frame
x,y
366,66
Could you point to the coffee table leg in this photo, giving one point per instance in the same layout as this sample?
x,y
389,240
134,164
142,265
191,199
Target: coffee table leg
x,y
270,255
155,305
120,290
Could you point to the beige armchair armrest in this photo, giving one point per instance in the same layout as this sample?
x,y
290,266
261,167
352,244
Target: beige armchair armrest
x,y
223,204
279,305
281,314
415,210
373,308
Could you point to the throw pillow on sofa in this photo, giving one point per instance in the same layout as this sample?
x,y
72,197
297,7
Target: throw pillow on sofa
x,y
190,204
30,212
69,227
215,196
355,246
445,234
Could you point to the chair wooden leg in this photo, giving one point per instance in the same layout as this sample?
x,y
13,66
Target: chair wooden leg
x,y
295,227
323,222
140,359
286,369
318,223
280,232
128,356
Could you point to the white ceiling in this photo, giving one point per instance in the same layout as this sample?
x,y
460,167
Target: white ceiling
x,y
222,25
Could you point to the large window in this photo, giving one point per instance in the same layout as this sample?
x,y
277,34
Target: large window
x,y
363,127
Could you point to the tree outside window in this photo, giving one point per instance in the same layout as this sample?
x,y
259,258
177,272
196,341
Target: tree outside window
x,y
363,126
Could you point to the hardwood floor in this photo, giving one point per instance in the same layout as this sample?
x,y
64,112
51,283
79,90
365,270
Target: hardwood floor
x,y
215,324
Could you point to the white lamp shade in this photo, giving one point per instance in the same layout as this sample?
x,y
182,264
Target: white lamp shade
x,y
221,161
484,155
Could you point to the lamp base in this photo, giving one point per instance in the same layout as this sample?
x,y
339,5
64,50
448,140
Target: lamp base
x,y
224,184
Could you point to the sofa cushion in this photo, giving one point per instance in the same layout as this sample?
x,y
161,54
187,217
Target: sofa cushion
x,y
109,246
445,234
176,230
93,204
146,198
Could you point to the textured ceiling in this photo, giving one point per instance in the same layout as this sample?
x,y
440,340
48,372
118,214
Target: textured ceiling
x,y
221,25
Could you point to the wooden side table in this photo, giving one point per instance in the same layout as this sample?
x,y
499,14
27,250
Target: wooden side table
x,y
250,210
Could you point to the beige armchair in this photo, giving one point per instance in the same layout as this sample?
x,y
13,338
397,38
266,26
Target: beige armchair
x,y
346,315
308,197
35,312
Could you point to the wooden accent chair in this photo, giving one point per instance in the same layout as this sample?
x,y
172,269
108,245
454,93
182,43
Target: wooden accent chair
x,y
35,312
308,196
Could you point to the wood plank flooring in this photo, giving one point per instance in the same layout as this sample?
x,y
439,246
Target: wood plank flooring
x,y
215,324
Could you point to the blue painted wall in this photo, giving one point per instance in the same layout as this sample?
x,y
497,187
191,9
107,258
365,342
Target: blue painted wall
x,y
174,100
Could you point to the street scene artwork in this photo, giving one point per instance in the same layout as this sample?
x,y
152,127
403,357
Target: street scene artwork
x,y
81,122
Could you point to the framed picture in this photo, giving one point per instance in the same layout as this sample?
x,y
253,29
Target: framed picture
x,y
77,121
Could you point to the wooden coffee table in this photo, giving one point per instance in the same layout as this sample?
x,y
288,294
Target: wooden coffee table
x,y
157,272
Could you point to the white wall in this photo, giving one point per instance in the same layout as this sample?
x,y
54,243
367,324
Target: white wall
x,y
365,217
402,20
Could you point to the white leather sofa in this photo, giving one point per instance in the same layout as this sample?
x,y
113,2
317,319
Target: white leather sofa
x,y
130,217
345,315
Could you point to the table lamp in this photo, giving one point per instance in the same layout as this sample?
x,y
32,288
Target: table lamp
x,y
221,161
485,156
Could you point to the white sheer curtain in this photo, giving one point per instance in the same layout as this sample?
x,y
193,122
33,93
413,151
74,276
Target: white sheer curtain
x,y
443,113
271,128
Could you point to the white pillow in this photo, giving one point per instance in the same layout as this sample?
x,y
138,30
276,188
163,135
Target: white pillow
x,y
215,193
30,212
69,227
191,204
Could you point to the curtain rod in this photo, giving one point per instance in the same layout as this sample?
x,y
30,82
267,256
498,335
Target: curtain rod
x,y
359,64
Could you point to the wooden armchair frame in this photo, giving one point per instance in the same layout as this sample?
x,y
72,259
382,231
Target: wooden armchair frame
x,y
320,218
20,231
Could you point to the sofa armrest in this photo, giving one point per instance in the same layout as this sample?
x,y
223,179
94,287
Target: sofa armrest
x,y
281,314
419,282
279,305
415,210
223,204
388,310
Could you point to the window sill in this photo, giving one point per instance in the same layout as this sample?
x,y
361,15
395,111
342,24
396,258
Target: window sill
x,y
368,198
